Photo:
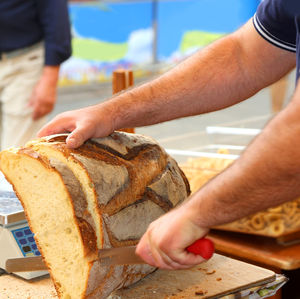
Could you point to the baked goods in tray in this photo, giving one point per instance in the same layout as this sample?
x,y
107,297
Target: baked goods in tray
x,y
274,222
102,195
201,170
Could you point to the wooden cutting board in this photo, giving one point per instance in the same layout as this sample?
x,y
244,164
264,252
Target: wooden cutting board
x,y
218,277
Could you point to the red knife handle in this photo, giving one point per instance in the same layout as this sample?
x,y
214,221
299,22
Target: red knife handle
x,y
203,247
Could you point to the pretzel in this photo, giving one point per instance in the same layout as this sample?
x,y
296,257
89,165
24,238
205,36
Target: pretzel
x,y
290,208
277,227
272,222
257,221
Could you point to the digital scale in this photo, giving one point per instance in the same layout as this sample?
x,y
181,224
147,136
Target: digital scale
x,y
16,238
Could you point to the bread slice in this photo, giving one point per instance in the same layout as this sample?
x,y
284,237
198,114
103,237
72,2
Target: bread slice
x,y
102,195
63,237
60,157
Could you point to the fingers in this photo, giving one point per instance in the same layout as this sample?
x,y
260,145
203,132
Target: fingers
x,y
159,254
78,136
35,115
40,108
143,250
151,256
38,113
166,239
60,124
158,258
162,254
80,130
73,142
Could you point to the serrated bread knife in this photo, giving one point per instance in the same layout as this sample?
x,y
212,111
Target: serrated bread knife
x,y
110,256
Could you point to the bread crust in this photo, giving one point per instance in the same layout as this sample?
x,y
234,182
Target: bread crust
x,y
134,182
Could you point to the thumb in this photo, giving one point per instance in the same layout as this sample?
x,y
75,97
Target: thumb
x,y
144,251
77,138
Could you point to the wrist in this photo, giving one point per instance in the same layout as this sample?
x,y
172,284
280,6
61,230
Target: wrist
x,y
198,210
190,211
118,114
50,74
105,113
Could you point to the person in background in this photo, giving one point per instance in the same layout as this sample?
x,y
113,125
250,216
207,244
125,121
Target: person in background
x,y
35,39
228,71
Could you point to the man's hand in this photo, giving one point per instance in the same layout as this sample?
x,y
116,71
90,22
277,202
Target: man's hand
x,y
164,243
43,97
83,124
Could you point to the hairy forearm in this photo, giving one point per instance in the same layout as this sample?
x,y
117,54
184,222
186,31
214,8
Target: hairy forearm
x,y
223,74
195,86
266,175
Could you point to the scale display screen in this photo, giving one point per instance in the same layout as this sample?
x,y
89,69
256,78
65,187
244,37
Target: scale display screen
x,y
25,240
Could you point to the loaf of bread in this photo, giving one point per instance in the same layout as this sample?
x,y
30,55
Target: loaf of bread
x,y
101,195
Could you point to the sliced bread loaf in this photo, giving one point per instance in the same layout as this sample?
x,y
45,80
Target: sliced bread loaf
x,y
103,194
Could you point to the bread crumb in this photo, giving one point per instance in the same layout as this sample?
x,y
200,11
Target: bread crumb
x,y
212,272
203,269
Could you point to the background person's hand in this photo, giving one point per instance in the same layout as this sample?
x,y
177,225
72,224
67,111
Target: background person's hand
x,y
43,97
164,243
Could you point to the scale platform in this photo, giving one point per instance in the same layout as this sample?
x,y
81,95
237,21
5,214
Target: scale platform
x,y
16,238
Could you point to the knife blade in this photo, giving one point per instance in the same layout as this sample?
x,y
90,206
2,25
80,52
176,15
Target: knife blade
x,y
25,264
119,256
110,256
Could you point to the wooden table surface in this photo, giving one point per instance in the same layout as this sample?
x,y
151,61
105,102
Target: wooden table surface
x,y
257,249
213,279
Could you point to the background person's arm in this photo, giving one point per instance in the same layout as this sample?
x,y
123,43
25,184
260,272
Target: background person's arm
x,y
54,19
228,71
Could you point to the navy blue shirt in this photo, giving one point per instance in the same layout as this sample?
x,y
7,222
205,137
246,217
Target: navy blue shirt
x,y
26,22
278,21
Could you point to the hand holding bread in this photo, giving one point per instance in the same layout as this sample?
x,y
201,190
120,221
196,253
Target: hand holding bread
x,y
83,124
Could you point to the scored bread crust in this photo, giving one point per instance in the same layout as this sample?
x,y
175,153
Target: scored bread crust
x,y
133,182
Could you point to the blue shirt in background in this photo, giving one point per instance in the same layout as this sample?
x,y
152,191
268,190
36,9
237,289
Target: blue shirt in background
x,y
278,22
26,22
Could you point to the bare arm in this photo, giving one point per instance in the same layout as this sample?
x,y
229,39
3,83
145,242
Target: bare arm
x,y
226,72
267,174
223,74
